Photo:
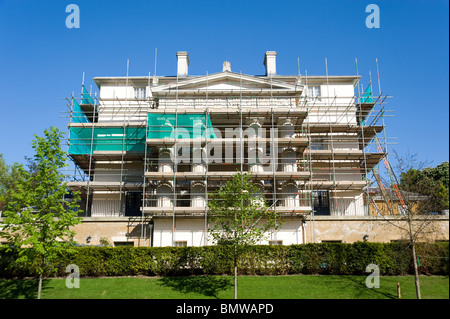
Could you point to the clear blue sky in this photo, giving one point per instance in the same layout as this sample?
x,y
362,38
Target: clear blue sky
x,y
42,61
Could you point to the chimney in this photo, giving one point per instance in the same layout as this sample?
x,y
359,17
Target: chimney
x,y
182,63
270,61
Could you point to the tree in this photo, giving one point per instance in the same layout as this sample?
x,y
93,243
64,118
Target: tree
x,y
431,182
421,192
9,178
439,173
37,218
240,216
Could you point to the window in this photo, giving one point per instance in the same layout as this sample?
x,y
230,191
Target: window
x,y
314,93
275,242
133,203
401,209
316,144
180,243
321,203
139,93
123,243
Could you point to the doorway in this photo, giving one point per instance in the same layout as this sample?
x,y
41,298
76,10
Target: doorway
x,y
133,203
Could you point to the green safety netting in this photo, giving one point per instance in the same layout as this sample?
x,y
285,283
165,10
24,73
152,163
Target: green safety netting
x,y
106,139
86,97
78,116
365,98
367,95
187,126
133,138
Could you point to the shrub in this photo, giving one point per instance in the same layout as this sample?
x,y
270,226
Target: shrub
x,y
324,258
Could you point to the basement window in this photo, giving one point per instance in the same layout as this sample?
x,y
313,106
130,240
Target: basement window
x,y
180,243
275,242
123,243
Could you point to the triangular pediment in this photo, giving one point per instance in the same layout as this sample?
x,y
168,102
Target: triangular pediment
x,y
225,83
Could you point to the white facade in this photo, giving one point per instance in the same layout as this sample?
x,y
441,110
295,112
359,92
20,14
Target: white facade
x,y
302,137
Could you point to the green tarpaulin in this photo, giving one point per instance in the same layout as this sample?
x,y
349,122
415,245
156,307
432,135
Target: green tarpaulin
x,y
86,97
187,126
78,116
106,139
367,95
133,138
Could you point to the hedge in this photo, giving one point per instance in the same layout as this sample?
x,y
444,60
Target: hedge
x,y
324,258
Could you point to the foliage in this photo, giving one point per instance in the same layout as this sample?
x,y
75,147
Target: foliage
x,y
239,214
432,182
393,259
37,215
425,195
439,173
10,175
105,242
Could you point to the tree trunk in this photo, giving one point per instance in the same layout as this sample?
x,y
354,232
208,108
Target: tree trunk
x,y
416,271
235,274
39,287
413,249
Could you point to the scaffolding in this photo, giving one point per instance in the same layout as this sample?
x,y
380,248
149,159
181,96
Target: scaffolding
x,y
161,155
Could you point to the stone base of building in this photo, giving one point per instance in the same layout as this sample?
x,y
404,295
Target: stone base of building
x,y
162,231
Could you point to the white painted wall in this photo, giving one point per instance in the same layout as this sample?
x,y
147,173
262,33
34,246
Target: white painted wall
x,y
132,172
347,204
104,205
290,233
192,230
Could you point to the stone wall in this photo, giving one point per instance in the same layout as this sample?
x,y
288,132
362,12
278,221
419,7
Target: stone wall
x,y
348,229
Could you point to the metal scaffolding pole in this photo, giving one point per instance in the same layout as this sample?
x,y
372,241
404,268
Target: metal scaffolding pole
x,y
145,166
313,233
123,143
331,138
206,164
90,157
363,148
175,168
272,147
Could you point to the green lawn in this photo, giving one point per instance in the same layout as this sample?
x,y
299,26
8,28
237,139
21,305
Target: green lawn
x,y
221,287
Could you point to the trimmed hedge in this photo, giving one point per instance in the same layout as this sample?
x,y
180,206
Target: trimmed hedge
x,y
324,258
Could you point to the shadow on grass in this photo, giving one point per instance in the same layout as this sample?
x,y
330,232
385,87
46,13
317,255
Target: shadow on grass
x,y
363,292
208,286
20,288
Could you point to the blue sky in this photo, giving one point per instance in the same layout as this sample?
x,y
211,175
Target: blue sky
x,y
42,61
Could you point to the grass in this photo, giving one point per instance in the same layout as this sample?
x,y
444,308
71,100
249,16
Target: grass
x,y
221,287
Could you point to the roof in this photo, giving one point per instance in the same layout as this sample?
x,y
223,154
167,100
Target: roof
x,y
116,80
392,194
